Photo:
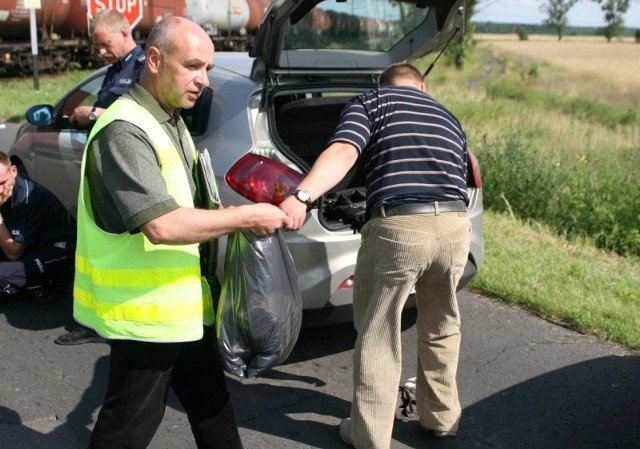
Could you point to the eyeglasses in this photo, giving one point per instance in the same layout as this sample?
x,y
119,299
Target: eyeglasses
x,y
101,46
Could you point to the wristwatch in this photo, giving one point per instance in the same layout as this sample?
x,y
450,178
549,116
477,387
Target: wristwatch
x,y
92,114
303,196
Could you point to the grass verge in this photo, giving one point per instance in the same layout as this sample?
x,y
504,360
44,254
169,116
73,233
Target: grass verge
x,y
572,283
17,94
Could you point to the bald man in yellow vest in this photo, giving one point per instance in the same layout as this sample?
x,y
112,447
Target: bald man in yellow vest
x,y
138,281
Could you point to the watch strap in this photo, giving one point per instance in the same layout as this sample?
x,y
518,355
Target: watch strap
x,y
306,194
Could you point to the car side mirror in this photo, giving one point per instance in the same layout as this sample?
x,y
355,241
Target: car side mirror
x,y
40,114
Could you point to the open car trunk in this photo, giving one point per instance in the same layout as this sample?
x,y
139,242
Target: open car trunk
x,y
336,49
304,124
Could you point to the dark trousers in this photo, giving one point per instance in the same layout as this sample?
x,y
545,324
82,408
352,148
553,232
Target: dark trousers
x,y
139,380
37,266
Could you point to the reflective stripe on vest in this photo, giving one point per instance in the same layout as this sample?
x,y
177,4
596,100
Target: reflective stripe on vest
x,y
126,287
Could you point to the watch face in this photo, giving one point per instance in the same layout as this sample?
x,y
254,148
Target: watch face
x,y
303,195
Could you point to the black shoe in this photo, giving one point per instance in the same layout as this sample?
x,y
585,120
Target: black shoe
x,y
79,336
45,294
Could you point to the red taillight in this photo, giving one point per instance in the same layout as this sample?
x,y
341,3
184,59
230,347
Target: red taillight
x,y
474,177
346,284
262,180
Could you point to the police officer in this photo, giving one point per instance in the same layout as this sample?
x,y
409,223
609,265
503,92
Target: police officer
x,y
37,237
111,37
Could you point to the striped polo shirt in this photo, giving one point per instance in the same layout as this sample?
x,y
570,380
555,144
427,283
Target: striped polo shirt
x,y
413,149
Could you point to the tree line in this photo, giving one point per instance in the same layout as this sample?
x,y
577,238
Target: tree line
x,y
513,28
613,13
556,23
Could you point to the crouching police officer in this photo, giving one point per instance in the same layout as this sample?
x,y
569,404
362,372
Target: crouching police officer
x,y
37,237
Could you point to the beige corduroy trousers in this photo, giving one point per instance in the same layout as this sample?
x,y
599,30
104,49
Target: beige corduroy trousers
x,y
428,252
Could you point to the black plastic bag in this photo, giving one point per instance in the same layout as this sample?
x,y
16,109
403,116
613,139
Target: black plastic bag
x,y
260,309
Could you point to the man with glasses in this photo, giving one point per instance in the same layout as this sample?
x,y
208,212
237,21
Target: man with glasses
x,y
111,37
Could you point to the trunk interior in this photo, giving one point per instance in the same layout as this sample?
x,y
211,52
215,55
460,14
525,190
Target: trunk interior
x,y
304,124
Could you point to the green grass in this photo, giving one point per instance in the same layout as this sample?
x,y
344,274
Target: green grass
x,y
554,148
572,283
590,109
16,95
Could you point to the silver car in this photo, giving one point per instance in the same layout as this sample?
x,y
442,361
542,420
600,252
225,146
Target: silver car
x,y
266,117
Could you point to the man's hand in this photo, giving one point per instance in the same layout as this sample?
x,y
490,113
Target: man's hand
x,y
296,213
7,191
331,166
11,249
79,118
268,219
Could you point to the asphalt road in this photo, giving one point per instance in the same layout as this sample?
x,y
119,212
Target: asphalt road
x,y
524,383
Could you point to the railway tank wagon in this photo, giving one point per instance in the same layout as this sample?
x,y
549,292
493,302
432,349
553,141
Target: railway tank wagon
x,y
63,38
230,23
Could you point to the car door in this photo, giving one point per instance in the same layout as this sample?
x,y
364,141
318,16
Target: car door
x,y
52,153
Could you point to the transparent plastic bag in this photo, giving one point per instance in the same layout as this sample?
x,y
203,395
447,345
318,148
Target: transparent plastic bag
x,y
259,313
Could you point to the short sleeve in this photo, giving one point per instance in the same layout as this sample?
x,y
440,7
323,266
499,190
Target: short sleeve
x,y
354,126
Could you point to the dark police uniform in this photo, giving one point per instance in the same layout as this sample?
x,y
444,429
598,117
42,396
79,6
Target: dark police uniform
x,y
120,75
38,220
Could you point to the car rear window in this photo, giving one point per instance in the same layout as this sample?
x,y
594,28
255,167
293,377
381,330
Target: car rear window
x,y
366,25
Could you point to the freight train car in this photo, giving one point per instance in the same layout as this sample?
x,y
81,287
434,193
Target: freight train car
x,y
63,38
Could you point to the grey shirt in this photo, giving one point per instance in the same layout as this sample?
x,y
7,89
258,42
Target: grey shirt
x,y
125,182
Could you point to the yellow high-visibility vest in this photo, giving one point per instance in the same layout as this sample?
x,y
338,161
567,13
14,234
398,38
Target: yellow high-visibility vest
x,y
126,287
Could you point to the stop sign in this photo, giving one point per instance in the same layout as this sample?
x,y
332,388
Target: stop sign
x,y
131,9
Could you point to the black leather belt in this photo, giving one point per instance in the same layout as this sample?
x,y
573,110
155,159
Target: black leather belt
x,y
437,207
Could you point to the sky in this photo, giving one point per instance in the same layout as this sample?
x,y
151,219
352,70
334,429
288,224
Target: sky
x,y
583,13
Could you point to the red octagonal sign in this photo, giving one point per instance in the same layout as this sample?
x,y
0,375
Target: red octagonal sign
x,y
131,9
